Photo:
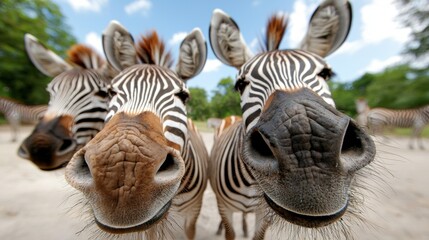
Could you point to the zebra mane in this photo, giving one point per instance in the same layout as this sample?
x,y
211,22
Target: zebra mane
x,y
151,50
85,57
276,28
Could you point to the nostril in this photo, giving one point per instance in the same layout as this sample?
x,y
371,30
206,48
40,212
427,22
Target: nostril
x,y
168,164
78,173
23,152
357,149
66,146
352,143
169,169
259,145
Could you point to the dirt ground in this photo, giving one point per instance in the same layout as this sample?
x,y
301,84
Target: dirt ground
x,y
35,204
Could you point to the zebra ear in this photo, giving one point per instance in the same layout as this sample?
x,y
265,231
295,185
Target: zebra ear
x,y
48,62
226,40
192,56
328,28
118,46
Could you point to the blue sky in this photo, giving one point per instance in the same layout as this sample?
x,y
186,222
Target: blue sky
x,y
375,40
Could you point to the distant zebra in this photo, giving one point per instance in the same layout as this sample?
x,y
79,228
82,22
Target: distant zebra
x,y
362,110
145,172
213,122
17,113
293,158
381,118
77,106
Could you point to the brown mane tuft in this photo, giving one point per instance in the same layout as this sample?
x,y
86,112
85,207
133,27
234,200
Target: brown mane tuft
x,y
85,57
276,28
151,50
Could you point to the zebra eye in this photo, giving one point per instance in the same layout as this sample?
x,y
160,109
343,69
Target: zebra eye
x,y
326,74
240,85
111,92
183,96
101,93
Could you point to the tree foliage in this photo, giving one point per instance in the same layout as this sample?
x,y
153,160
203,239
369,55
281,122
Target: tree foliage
x,y
19,79
225,100
398,87
198,106
415,15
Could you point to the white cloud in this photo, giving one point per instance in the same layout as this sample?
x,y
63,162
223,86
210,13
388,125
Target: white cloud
x,y
87,5
94,40
298,21
138,5
177,38
377,65
212,65
380,22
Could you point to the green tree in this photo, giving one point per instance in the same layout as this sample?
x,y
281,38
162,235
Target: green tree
x,y
225,100
344,96
19,79
198,106
415,15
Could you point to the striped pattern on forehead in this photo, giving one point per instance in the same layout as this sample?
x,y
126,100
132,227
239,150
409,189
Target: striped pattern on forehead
x,y
75,93
152,88
287,70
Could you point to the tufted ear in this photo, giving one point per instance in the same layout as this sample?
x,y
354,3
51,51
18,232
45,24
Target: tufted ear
x,y
118,46
48,62
192,55
226,40
329,27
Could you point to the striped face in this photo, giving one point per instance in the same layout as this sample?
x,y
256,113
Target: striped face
x,y
155,89
274,71
82,95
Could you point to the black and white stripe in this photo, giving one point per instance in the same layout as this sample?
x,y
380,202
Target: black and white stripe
x,y
81,94
279,70
380,118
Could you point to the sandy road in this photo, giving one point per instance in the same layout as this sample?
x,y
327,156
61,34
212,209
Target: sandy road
x,y
35,204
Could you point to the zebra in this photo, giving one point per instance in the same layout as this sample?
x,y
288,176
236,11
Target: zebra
x,y
17,113
293,158
362,110
77,106
380,118
213,122
146,171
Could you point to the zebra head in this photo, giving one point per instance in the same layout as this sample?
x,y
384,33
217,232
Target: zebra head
x,y
302,151
132,169
77,106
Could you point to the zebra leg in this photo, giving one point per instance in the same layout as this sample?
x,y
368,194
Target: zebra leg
x,y
220,228
190,226
227,220
14,124
418,136
244,224
261,225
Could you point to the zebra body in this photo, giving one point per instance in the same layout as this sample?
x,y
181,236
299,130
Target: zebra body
x,y
17,113
300,152
77,107
382,118
147,131
235,187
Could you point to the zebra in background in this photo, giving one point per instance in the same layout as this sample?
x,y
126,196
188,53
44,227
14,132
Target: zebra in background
x,y
293,158
77,106
381,118
362,110
145,171
17,113
213,122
